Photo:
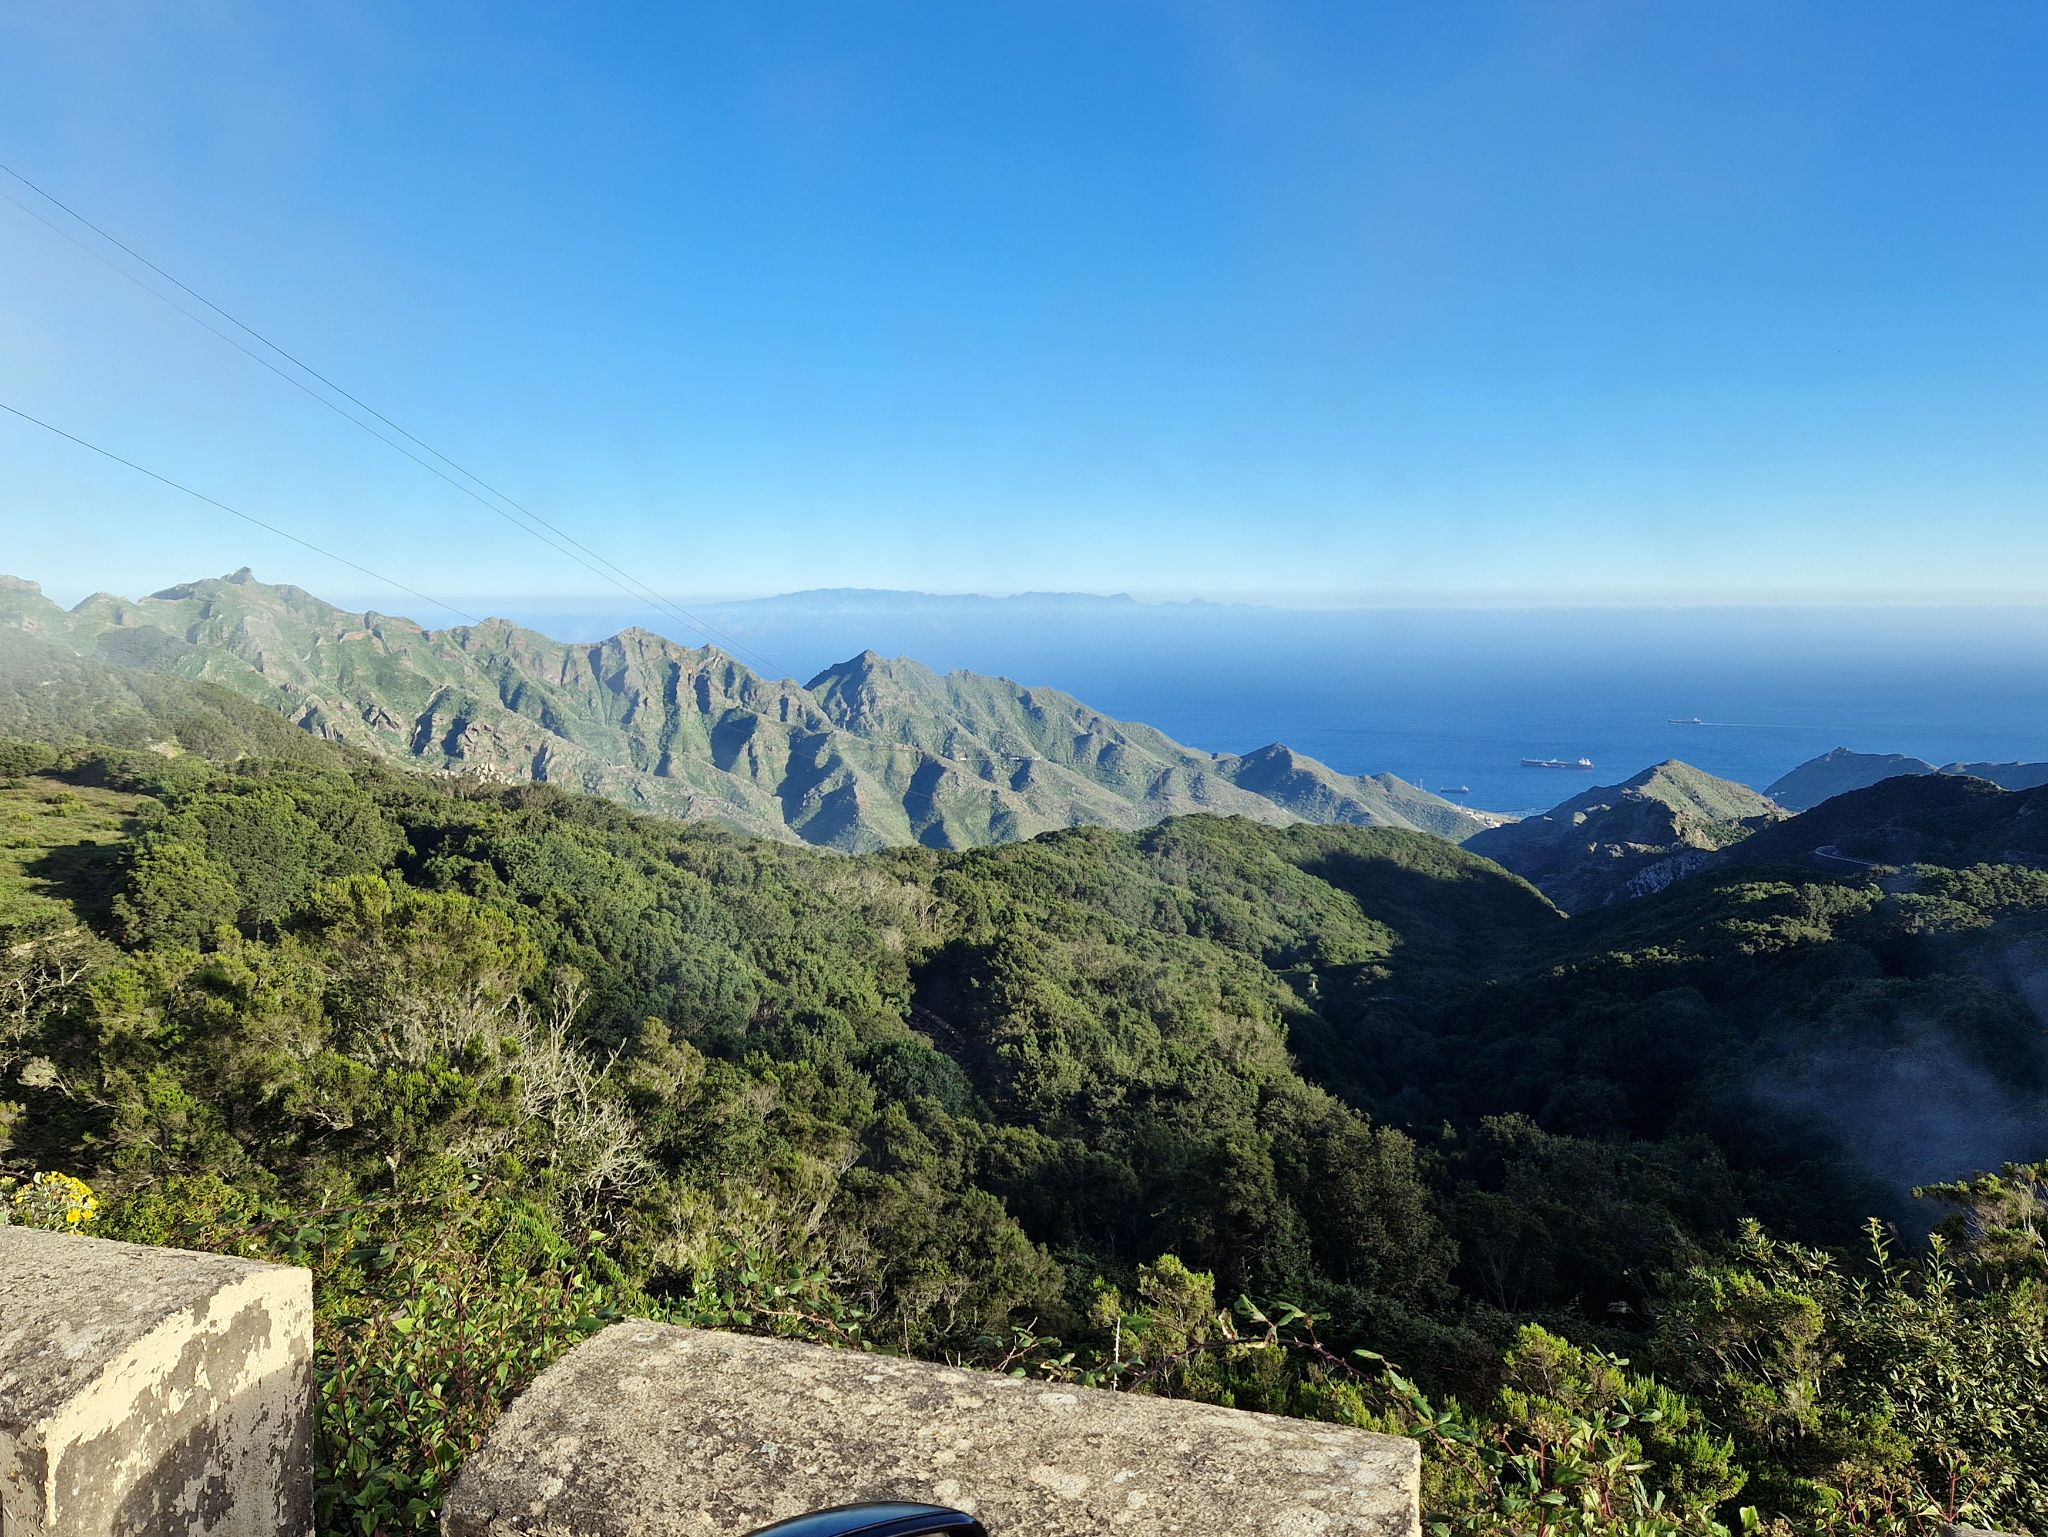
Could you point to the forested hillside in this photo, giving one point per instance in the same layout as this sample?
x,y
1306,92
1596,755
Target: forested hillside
x,y
1934,819
497,1060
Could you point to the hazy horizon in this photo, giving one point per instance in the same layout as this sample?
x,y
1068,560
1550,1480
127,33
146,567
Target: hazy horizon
x,y
1448,699
1606,305
1346,717
512,604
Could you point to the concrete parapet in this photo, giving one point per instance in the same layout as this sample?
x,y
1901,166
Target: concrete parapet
x,y
151,1391
656,1431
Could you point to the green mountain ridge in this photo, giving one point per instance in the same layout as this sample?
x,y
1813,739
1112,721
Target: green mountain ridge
x,y
47,693
1628,839
1945,819
871,753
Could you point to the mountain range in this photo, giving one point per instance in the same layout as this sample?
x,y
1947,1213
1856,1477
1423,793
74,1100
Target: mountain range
x,y
870,753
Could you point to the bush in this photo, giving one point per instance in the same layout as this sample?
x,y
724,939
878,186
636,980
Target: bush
x,y
58,1202
431,1314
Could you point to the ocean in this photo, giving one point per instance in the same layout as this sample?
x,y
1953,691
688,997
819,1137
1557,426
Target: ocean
x,y
1455,698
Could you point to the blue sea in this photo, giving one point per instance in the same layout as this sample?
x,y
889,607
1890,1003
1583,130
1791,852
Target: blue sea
x,y
1451,698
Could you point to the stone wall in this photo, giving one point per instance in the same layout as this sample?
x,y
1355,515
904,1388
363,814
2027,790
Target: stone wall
x,y
663,1432
151,1391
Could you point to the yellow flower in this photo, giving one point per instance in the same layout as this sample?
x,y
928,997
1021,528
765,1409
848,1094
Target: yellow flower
x,y
52,1200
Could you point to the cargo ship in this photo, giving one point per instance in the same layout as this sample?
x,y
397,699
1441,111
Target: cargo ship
x,y
1690,720
1558,763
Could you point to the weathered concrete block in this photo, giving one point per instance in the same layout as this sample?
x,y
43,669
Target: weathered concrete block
x,y
662,1432
152,1391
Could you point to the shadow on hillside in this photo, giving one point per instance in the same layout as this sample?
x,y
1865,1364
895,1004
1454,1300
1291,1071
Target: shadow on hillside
x,y
85,876
1459,907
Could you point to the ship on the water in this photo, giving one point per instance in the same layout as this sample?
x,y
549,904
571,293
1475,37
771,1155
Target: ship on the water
x,y
1558,763
1690,720
1455,790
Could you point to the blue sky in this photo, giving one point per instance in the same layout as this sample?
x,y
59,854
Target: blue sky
x,y
1459,302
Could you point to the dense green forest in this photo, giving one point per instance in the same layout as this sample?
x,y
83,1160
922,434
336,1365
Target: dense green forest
x,y
1338,1121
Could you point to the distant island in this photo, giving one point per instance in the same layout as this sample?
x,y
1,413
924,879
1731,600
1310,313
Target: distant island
x,y
872,752
315,952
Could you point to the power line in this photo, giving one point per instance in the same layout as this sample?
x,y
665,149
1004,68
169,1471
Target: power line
x,y
292,379
627,583
107,453
376,576
636,589
258,522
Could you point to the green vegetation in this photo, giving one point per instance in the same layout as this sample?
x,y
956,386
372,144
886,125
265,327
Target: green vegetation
x,y
502,1062
1935,819
1628,839
871,753
50,694
60,844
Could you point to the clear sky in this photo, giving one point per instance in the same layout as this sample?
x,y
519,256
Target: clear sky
x,y
1475,301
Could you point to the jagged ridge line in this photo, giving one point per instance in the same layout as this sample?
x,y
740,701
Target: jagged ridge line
x,y
646,594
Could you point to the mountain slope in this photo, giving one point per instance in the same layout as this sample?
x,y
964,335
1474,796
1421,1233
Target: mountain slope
x,y
1841,771
1837,773
1317,793
50,694
1939,819
1626,839
2007,776
871,753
